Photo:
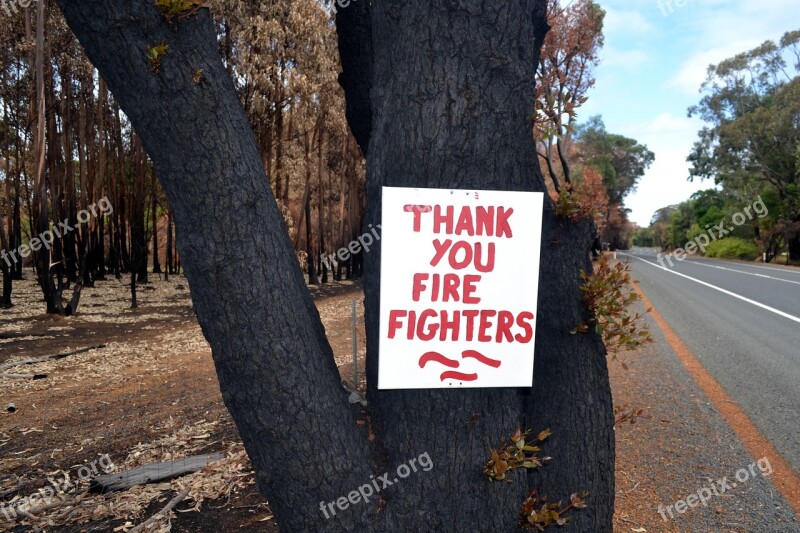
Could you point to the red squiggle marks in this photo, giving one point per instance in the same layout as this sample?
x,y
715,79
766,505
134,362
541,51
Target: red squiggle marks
x,y
494,363
460,376
436,357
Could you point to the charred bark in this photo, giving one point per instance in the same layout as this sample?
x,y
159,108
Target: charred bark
x,y
276,369
444,126
354,29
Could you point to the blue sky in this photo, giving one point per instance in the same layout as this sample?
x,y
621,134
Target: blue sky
x,y
654,60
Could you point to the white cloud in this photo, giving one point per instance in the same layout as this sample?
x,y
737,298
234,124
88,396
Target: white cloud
x,y
612,57
664,184
720,29
666,122
625,21
670,137
692,73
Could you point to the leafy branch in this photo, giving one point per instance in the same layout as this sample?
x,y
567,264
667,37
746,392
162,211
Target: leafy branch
x,y
537,513
516,454
574,206
154,55
607,296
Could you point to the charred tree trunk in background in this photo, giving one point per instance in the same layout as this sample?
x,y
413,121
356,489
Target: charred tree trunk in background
x,y
16,239
279,147
98,265
6,263
67,200
169,244
49,291
311,260
5,266
321,205
138,232
137,264
154,222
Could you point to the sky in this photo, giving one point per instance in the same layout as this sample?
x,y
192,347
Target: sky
x,y
652,65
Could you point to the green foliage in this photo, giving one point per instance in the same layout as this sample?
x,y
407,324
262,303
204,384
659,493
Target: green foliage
x,y
607,296
622,161
154,54
644,237
516,454
178,8
569,205
732,248
751,103
537,513
672,227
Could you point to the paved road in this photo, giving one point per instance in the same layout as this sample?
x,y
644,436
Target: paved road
x,y
742,321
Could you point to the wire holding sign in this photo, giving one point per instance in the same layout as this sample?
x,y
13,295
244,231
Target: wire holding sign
x,y
461,311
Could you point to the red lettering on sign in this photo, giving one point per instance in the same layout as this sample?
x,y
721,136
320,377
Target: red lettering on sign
x,y
525,321
417,210
453,326
446,219
470,280
394,322
486,323
505,319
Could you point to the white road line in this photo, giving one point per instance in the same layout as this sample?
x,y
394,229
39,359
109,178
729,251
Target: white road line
x,y
729,293
702,263
774,269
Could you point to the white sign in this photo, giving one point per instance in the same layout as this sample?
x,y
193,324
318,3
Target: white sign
x,y
459,285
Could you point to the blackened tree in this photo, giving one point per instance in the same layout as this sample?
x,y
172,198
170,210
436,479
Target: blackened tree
x,y
452,88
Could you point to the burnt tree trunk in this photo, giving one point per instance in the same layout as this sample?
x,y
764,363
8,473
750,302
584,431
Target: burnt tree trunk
x,y
138,234
323,267
154,222
168,269
52,296
457,115
311,261
276,369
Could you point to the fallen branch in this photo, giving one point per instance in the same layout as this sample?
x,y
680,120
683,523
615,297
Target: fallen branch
x,y
23,376
163,512
14,489
30,514
53,357
151,473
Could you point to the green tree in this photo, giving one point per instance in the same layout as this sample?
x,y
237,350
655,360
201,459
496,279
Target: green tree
x,y
752,103
621,160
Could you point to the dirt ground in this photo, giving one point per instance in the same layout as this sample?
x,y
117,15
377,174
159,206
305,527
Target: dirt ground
x,y
148,395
